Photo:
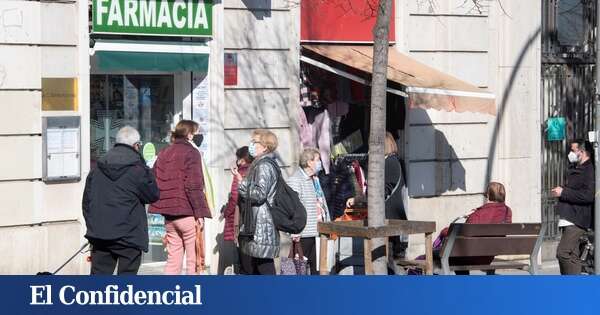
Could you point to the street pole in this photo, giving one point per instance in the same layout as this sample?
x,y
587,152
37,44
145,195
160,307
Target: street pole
x,y
596,149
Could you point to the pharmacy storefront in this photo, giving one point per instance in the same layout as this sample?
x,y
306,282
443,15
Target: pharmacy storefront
x,y
149,69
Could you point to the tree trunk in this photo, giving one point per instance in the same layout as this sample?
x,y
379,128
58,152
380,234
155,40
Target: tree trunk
x,y
377,129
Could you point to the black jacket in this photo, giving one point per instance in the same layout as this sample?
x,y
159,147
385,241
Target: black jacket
x,y
114,198
576,202
394,205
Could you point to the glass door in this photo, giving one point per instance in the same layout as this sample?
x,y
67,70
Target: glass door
x,y
145,102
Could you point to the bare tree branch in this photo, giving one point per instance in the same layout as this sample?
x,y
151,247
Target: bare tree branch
x,y
479,6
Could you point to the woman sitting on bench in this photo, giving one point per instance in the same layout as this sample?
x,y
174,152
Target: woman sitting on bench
x,y
494,210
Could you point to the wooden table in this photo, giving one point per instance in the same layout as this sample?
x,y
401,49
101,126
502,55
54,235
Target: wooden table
x,y
392,228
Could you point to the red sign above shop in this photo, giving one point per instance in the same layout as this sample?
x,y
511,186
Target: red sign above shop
x,y
340,21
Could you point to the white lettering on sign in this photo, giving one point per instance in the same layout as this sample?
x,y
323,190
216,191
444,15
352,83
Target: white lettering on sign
x,y
131,7
114,14
190,17
163,15
201,18
179,22
148,14
101,9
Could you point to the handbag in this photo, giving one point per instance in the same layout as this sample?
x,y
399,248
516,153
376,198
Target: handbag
x,y
295,264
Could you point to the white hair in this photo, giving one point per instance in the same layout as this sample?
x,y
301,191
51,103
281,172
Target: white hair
x,y
307,155
128,135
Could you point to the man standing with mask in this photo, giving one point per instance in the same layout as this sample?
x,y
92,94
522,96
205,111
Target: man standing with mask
x,y
114,200
575,206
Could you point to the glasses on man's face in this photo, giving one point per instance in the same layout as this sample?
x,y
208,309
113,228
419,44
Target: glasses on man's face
x,y
139,143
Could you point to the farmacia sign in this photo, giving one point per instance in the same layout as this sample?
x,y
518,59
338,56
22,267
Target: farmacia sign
x,y
152,17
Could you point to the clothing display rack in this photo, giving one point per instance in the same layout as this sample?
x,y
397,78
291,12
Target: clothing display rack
x,y
361,157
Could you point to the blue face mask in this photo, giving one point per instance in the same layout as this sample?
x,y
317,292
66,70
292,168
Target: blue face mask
x,y
252,150
318,167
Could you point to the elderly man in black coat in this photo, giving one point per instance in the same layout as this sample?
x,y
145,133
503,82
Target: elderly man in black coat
x,y
575,206
114,206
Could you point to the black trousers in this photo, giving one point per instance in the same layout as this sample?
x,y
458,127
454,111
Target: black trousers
x,y
568,252
398,247
309,247
256,266
107,255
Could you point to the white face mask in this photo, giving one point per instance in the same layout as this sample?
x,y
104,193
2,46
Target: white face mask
x,y
573,158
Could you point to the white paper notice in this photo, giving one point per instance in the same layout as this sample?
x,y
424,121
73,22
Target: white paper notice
x,y
201,105
55,165
62,152
54,140
71,164
70,140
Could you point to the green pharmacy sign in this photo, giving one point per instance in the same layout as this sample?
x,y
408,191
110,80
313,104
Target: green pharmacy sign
x,y
152,17
556,128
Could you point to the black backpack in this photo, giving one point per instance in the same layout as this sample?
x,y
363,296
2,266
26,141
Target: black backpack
x,y
289,214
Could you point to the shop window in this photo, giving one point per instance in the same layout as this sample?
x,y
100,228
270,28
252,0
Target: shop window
x,y
145,102
570,20
59,94
568,27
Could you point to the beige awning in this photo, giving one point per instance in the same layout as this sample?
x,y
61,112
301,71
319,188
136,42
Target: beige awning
x,y
426,86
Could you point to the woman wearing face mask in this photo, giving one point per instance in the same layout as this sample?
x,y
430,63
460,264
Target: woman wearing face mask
x,y
258,236
306,183
178,171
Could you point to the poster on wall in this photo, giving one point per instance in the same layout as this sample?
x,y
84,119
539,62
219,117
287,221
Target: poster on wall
x,y
201,114
201,106
231,69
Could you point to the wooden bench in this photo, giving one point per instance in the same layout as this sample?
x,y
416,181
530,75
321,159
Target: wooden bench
x,y
359,229
469,240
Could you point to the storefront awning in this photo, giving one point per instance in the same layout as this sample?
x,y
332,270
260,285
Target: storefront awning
x,y
150,56
426,87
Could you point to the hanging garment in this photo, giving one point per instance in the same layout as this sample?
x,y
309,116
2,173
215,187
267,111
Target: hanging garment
x,y
337,187
338,109
322,137
343,90
358,91
305,100
304,130
360,176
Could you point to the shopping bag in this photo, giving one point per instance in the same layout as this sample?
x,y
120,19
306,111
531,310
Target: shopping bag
x,y
295,263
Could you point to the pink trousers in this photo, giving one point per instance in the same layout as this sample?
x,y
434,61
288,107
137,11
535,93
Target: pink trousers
x,y
181,238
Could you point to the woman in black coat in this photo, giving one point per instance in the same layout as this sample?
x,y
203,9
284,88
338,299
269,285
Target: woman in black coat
x,y
394,181
395,185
